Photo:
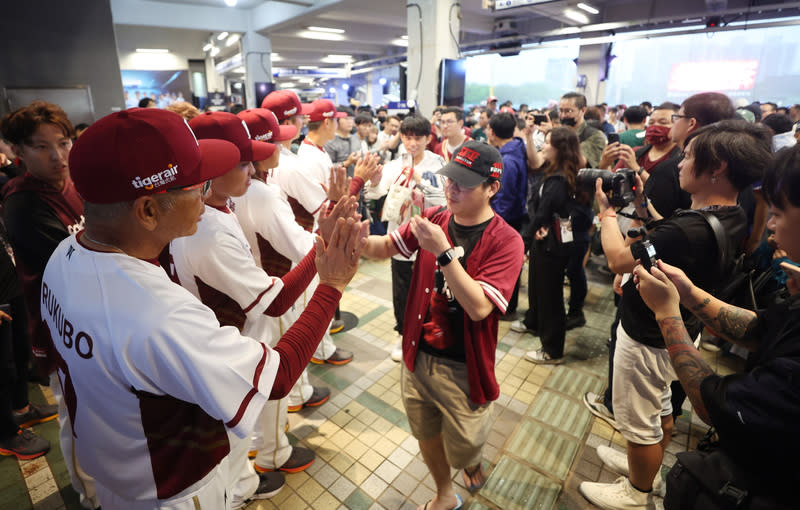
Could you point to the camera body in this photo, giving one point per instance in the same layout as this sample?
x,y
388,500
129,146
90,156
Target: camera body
x,y
646,253
619,185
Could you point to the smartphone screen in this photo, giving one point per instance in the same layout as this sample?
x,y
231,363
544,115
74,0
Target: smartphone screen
x,y
613,137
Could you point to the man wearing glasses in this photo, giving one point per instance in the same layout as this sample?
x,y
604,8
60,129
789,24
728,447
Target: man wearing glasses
x,y
468,259
452,124
572,108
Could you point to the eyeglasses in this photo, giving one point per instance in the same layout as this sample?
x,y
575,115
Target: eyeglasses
x,y
456,186
206,187
675,117
448,121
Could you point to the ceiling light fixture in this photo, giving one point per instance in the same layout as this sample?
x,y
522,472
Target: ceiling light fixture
x,y
214,51
208,47
326,29
152,50
308,67
230,3
404,37
320,36
338,59
400,42
232,40
588,8
332,90
576,16
222,36
275,57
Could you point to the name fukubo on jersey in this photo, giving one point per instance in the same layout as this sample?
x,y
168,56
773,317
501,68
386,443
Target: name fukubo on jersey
x,y
81,341
159,179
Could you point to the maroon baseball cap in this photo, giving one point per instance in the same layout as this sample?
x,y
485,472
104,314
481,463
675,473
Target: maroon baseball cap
x,y
285,104
264,126
324,109
227,126
143,151
491,99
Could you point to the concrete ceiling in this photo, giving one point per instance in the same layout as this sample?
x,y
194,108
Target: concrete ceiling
x,y
371,25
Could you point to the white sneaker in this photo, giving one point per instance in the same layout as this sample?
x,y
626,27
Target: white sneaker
x,y
597,407
519,326
617,461
620,495
397,350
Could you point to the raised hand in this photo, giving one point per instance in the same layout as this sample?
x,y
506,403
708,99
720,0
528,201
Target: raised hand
x,y
368,166
337,260
345,208
430,236
339,183
657,291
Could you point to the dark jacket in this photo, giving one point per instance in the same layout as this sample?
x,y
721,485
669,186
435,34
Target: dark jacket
x,y
509,202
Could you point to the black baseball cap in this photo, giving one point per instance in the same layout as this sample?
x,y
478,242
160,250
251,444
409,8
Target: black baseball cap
x,y
473,162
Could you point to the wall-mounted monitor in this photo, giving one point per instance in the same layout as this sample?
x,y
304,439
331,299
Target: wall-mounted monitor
x,y
452,82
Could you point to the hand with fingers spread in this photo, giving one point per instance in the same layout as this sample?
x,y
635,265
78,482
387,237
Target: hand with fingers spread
x,y
337,260
368,167
345,208
657,291
339,183
431,237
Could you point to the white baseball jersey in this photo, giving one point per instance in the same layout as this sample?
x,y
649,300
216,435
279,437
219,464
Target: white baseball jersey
x,y
432,187
316,163
216,265
150,379
297,187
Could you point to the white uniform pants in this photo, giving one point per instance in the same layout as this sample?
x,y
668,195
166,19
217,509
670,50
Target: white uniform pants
x,y
81,482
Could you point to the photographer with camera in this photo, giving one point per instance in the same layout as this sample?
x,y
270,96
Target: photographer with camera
x,y
755,414
720,160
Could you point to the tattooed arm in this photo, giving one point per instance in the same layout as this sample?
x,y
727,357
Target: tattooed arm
x,y
687,361
737,325
662,296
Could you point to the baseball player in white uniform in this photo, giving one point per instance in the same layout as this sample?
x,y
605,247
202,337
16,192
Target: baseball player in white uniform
x,y
216,265
151,381
307,198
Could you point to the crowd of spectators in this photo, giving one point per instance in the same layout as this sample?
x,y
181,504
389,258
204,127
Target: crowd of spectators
x,y
293,194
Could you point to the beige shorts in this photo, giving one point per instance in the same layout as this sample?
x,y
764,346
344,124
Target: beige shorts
x,y
641,393
436,398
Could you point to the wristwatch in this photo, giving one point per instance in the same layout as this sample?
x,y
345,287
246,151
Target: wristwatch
x,y
446,257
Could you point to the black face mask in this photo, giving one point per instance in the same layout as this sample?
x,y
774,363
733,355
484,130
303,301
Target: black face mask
x,y
569,121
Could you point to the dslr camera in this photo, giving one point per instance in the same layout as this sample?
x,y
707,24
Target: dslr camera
x,y
619,186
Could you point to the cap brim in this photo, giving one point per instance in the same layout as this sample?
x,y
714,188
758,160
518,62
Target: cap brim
x,y
463,176
285,132
218,157
305,109
261,150
340,115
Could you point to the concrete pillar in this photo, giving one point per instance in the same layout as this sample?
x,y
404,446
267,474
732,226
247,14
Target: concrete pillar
x,y
256,50
437,43
215,82
592,64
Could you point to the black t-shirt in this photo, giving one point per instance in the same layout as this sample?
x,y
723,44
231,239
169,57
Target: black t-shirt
x,y
688,243
756,413
466,237
663,188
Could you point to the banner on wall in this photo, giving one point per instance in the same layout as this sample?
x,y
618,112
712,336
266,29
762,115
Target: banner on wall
x,y
165,87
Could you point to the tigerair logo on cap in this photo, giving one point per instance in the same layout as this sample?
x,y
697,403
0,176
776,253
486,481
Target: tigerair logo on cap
x,y
265,137
496,171
328,114
290,111
156,180
467,157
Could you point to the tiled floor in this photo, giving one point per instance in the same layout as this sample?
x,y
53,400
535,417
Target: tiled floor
x,y
541,447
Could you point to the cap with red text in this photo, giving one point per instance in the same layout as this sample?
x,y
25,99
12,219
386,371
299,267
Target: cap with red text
x,y
473,163
264,126
143,151
285,104
324,109
227,126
